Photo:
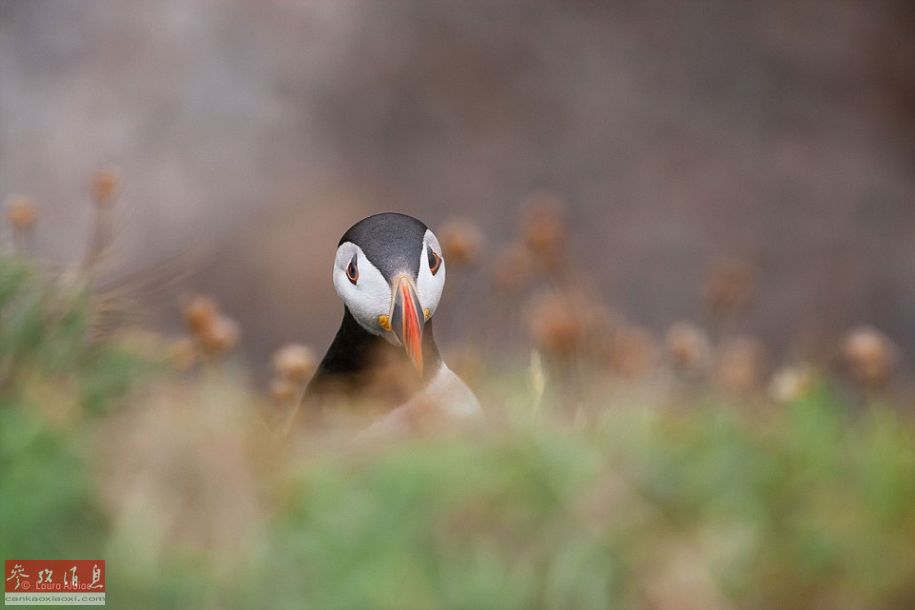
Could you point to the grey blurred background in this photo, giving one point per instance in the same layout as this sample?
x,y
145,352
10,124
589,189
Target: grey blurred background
x,y
678,133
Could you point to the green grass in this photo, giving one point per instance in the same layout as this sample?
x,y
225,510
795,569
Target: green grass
x,y
176,483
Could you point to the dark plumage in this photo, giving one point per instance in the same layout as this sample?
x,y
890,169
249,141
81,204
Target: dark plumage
x,y
354,351
392,241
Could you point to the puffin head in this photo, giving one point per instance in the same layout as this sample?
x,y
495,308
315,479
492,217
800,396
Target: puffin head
x,y
390,273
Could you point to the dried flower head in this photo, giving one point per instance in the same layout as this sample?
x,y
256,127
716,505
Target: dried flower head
x,y
104,186
688,347
391,380
791,383
561,323
461,242
294,362
282,391
219,336
869,355
633,352
200,313
730,287
543,228
511,269
741,364
214,332
21,212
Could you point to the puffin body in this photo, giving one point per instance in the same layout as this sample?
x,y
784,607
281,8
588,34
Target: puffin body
x,y
390,273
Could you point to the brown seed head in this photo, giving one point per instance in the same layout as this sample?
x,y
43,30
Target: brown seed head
x,y
543,228
390,380
688,347
104,186
511,269
730,287
294,362
282,391
869,355
741,365
633,352
21,212
220,336
559,323
461,242
200,313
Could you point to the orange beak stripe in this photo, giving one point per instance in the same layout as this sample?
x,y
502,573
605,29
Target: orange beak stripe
x,y
412,324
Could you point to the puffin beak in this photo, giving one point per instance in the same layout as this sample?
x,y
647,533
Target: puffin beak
x,y
407,320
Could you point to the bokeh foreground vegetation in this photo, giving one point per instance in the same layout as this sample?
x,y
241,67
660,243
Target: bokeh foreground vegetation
x,y
185,485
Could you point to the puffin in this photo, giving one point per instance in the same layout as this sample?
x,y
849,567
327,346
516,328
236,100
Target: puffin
x,y
389,271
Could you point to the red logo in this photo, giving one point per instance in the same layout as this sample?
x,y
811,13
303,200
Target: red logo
x,y
54,576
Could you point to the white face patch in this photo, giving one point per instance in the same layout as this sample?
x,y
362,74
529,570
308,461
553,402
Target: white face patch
x,y
371,295
429,287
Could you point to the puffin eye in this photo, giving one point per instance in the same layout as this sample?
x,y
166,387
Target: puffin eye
x,y
352,271
435,261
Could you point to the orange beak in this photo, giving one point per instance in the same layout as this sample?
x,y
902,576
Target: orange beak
x,y
407,320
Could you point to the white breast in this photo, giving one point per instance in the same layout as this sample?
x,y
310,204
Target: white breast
x,y
450,394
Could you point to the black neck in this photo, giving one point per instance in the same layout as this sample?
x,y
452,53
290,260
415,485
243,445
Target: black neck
x,y
354,350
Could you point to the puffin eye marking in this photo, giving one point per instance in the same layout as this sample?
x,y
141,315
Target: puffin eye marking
x,y
435,261
352,271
